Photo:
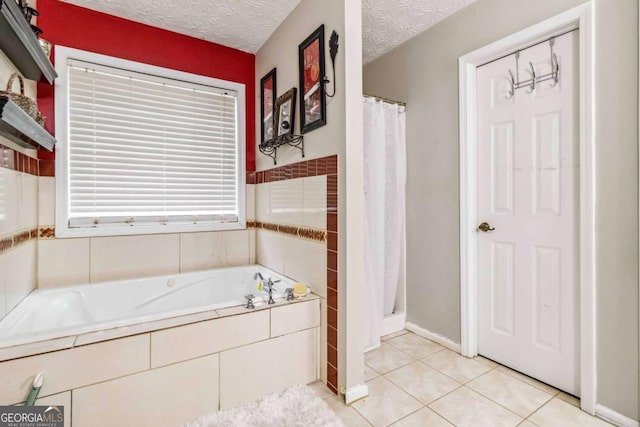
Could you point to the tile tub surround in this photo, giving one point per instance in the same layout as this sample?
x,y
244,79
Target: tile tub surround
x,y
287,203
236,358
18,226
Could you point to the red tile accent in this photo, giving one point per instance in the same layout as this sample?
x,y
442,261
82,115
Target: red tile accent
x,y
321,166
332,241
332,378
332,336
332,298
332,222
17,161
12,241
332,279
47,168
332,165
311,167
251,178
332,184
332,317
332,355
332,387
332,203
332,260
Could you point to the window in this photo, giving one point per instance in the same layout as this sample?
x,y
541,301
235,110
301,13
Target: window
x,y
143,149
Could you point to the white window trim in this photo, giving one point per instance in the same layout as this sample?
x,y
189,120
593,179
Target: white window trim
x,y
62,55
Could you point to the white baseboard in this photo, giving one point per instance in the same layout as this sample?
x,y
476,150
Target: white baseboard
x,y
355,393
393,323
444,341
614,417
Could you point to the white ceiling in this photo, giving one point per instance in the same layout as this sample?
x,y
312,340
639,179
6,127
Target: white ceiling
x,y
247,24
240,24
387,24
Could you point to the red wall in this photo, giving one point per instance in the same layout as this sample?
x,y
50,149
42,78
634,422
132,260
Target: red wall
x,y
72,26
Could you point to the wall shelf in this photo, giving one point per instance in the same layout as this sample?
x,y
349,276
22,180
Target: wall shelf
x,y
21,46
17,126
271,148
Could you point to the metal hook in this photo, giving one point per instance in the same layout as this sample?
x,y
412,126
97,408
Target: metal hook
x,y
532,86
512,83
555,70
555,66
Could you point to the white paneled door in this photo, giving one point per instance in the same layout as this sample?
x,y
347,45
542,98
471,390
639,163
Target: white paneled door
x,y
528,200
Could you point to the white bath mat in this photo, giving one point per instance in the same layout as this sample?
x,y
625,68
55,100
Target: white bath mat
x,y
295,407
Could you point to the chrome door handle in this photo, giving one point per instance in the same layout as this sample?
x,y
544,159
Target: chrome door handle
x,y
484,227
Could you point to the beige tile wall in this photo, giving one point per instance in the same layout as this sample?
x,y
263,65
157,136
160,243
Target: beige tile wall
x,y
243,370
18,211
64,262
168,396
298,202
170,376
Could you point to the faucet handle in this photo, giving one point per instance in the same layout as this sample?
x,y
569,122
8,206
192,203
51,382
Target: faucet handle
x,y
249,298
290,296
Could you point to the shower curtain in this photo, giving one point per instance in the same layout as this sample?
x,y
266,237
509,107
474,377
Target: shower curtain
x,y
384,190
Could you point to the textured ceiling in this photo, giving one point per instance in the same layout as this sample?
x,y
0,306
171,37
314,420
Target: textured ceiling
x,y
247,24
387,24
240,24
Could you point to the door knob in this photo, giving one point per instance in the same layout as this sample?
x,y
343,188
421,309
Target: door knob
x,y
484,227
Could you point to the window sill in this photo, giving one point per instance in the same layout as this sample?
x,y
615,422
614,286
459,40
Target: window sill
x,y
63,231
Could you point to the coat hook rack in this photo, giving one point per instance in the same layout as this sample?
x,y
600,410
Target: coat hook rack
x,y
530,84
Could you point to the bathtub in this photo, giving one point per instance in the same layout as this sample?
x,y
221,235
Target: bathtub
x,y
47,314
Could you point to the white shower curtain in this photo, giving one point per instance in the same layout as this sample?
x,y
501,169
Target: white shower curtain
x,y
384,189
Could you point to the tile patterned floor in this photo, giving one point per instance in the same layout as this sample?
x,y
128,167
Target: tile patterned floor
x,y
414,382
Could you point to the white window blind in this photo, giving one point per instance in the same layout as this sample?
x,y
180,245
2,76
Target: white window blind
x,y
149,150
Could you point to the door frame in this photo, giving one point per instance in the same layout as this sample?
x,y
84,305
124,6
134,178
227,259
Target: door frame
x,y
578,17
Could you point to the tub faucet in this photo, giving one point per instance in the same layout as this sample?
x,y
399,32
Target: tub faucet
x,y
256,275
270,288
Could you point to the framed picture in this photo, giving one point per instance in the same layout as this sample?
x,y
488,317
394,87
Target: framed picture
x,y
286,114
267,106
311,69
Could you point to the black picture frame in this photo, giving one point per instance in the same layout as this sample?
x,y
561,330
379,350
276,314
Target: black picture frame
x,y
285,115
311,69
267,118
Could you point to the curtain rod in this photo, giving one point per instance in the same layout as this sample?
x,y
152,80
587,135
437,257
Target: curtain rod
x,y
387,100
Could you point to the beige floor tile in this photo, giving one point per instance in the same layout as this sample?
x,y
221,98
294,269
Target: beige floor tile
x,y
537,384
370,373
386,403
562,414
414,345
422,382
349,416
526,423
393,335
423,417
464,407
485,361
461,369
569,399
321,390
387,358
513,394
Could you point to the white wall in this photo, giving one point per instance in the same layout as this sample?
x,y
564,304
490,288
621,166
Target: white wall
x,y
424,73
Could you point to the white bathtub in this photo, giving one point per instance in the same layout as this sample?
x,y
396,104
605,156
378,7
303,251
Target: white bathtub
x,y
53,313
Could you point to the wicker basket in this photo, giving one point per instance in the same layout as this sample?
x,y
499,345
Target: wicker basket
x,y
24,102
